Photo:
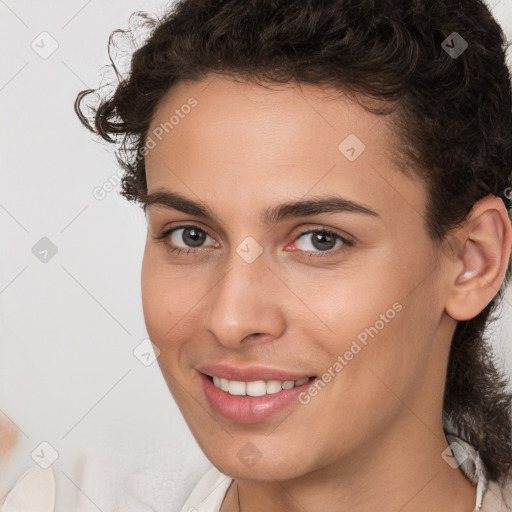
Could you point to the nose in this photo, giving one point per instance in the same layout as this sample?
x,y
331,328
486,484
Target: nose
x,y
246,304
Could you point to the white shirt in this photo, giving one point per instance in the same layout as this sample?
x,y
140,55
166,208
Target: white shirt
x,y
209,493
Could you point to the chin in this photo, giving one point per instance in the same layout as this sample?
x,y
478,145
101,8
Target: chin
x,y
257,459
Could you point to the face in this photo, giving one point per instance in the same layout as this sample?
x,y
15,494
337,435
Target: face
x,y
344,288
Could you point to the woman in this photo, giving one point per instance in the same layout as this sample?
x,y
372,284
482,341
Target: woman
x,y
327,187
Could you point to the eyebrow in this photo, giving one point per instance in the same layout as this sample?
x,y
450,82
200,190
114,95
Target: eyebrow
x,y
272,215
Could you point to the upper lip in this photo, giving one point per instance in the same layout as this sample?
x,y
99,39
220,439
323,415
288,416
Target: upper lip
x,y
249,373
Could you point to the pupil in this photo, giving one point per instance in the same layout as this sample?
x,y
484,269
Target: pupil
x,y
323,237
196,239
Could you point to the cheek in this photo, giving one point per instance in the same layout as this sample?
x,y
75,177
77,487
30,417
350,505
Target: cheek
x,y
363,287
160,296
376,326
387,361
170,298
346,303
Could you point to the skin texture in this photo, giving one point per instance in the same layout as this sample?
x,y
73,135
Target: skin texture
x,y
372,439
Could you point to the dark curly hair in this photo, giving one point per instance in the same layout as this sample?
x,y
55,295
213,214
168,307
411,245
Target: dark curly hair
x,y
452,114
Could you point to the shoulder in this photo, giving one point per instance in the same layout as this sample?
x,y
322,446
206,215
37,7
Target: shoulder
x,y
208,493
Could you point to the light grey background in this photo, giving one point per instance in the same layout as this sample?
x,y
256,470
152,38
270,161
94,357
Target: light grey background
x,y
68,375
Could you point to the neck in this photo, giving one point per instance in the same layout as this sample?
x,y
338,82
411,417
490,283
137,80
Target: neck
x,y
411,478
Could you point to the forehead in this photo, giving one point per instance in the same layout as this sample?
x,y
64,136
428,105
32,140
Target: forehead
x,y
222,138
291,113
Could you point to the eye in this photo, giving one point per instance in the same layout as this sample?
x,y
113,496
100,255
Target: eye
x,y
192,239
321,240
192,236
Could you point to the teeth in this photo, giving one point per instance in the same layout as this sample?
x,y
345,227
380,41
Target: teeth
x,y
257,387
224,384
237,388
274,386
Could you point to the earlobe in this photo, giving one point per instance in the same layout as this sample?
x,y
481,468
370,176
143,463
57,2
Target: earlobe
x,y
486,239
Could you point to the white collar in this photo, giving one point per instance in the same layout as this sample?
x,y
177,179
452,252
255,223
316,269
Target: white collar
x,y
470,463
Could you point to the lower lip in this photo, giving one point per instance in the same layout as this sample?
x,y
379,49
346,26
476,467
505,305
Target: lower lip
x,y
250,409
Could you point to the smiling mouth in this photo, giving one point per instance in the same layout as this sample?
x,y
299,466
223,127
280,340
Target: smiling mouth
x,y
255,388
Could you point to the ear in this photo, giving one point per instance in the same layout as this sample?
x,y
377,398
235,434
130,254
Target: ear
x,y
480,266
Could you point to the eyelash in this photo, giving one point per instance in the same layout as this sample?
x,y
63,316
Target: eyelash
x,y
312,254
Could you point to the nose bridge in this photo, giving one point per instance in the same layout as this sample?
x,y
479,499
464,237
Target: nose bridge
x,y
244,301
